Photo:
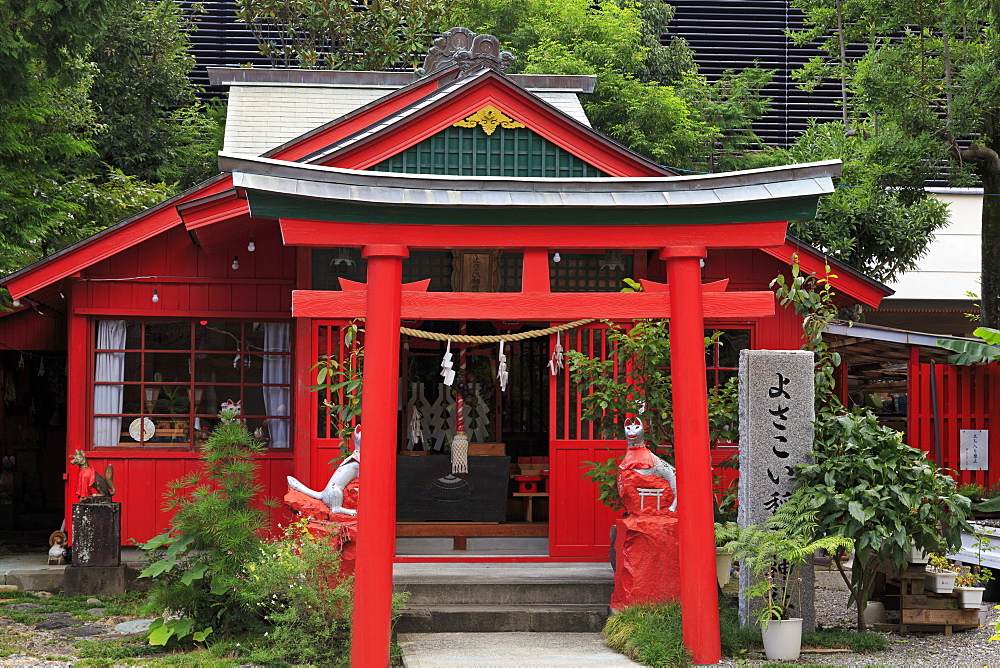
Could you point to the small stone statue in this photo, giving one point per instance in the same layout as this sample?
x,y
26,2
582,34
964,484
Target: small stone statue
x,y
57,548
91,483
333,494
640,460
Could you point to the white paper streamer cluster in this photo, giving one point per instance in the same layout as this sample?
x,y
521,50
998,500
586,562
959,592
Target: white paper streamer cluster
x,y
447,366
502,368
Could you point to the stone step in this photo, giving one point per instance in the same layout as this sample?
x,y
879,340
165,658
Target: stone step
x,y
503,593
564,618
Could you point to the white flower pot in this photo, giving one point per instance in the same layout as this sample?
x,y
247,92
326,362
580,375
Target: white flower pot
x,y
970,597
939,581
917,556
782,639
723,566
875,613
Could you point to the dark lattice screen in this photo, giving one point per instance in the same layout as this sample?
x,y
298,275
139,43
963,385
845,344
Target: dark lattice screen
x,y
328,265
471,152
583,273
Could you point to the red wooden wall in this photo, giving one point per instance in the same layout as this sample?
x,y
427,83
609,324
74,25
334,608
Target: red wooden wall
x,y
967,396
191,282
141,480
27,330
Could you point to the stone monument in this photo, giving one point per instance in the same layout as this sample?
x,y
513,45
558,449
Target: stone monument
x,y
97,519
777,409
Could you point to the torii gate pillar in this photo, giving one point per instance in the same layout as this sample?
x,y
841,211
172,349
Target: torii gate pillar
x,y
696,525
377,503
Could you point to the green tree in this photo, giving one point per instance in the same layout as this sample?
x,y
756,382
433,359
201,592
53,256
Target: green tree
x,y
69,168
49,196
45,38
648,96
342,34
152,125
929,74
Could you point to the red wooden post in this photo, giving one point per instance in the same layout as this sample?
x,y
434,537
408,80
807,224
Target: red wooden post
x,y
535,270
696,526
377,497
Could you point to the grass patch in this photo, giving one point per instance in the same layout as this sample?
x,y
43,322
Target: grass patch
x,y
652,635
649,634
114,649
836,639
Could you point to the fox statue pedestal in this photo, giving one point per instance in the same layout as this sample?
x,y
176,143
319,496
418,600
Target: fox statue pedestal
x,y
339,529
96,567
647,552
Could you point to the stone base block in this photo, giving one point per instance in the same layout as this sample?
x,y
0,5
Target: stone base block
x,y
94,580
648,568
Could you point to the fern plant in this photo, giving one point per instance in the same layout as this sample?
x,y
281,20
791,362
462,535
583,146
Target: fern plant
x,y
775,553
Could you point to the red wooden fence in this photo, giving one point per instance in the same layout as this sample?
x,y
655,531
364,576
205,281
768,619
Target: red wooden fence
x,y
967,396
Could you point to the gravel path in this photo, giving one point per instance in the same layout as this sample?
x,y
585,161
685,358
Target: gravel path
x,y
963,649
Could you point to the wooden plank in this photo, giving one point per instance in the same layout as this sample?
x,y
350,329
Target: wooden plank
x,y
930,602
479,529
331,234
944,617
537,306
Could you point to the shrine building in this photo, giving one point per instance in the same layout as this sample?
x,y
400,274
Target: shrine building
x,y
457,201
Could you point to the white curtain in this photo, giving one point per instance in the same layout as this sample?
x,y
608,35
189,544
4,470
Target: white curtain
x,y
277,371
110,368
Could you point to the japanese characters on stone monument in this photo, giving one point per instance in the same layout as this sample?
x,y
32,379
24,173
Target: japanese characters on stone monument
x,y
776,397
974,449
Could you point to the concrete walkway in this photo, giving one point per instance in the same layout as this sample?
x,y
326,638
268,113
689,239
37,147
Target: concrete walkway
x,y
508,650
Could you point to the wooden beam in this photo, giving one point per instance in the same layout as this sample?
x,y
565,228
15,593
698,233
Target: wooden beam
x,y
536,306
330,234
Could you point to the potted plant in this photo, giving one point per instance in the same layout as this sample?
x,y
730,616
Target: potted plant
x,y
939,577
775,554
968,586
725,532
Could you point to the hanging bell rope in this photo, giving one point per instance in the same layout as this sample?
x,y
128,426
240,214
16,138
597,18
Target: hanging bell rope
x,y
493,338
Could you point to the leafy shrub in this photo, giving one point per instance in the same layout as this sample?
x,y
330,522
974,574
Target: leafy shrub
x,y
214,528
290,584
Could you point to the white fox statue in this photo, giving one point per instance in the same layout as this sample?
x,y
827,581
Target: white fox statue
x,y
333,494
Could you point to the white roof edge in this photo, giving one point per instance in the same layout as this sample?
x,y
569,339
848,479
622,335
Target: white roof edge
x,y
820,173
955,191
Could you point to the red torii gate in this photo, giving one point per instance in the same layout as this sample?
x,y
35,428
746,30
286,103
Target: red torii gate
x,y
389,215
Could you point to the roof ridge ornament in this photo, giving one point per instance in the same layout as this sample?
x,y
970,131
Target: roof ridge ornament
x,y
489,118
471,52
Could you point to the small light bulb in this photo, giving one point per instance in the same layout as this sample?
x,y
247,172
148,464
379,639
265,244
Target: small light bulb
x,y
251,246
556,257
156,296
236,262
16,303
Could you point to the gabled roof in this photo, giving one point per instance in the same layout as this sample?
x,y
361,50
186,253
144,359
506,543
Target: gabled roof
x,y
268,106
462,97
387,126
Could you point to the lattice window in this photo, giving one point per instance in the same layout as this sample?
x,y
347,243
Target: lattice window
x,y
511,265
583,273
471,152
330,264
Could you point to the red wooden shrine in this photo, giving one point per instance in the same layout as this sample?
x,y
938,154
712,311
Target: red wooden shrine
x,y
246,315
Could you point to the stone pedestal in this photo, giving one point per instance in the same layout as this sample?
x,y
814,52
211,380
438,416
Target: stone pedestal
x,y
94,580
648,556
339,530
97,529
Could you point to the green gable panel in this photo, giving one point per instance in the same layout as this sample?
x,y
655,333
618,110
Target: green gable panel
x,y
458,151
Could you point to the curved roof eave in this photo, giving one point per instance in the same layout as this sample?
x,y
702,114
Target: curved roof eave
x,y
362,187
